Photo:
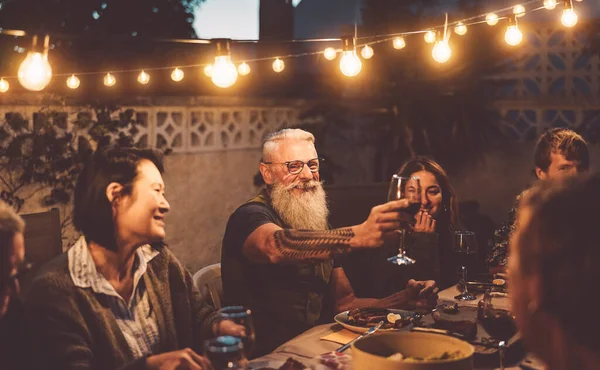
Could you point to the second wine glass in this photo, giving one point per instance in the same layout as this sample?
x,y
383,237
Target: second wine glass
x,y
465,250
405,188
243,317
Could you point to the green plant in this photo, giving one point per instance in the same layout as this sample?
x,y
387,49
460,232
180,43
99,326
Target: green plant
x,y
48,153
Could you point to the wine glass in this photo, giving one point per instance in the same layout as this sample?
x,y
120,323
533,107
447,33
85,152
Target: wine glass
x,y
225,352
499,323
241,316
465,249
405,188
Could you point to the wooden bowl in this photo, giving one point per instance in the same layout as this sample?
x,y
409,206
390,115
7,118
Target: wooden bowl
x,y
371,352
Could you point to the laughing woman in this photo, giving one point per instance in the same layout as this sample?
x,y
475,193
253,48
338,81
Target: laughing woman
x,y
119,299
367,279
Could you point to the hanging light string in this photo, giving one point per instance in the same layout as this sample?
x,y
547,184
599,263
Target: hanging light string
x,y
499,14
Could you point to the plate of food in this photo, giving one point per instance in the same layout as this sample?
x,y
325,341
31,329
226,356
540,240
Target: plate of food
x,y
360,319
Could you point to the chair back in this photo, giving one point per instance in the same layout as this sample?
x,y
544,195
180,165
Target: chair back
x,y
43,241
208,281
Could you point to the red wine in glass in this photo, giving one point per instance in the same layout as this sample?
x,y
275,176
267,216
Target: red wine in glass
x,y
405,188
499,323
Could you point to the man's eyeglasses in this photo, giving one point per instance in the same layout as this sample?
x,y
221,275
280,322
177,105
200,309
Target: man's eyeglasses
x,y
295,167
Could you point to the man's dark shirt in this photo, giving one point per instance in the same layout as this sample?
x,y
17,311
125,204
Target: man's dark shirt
x,y
285,298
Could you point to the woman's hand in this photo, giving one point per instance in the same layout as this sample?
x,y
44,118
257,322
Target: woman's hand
x,y
184,359
424,223
228,327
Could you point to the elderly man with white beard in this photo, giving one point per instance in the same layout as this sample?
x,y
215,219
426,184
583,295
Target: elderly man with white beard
x,y
277,249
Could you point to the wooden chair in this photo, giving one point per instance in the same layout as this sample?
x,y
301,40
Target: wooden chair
x,y
208,280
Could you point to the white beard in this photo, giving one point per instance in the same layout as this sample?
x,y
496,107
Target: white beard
x,y
305,211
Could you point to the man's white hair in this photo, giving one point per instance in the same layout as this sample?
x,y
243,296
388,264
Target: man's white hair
x,y
272,140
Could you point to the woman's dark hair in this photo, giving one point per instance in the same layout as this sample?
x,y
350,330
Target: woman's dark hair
x,y
559,244
449,216
92,212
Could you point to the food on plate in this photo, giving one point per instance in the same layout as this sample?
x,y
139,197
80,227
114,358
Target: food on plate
x,y
290,364
446,355
368,317
449,308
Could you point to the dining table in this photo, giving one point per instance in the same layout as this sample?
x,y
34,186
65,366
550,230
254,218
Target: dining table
x,y
310,347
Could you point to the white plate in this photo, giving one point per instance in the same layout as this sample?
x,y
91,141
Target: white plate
x,y
342,319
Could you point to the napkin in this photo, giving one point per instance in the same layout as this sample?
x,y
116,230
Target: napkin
x,y
341,336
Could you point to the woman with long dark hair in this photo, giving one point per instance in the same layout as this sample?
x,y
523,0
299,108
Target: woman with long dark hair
x,y
367,279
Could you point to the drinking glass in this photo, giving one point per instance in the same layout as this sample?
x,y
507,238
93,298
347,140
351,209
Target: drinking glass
x,y
405,188
225,352
241,316
465,250
499,323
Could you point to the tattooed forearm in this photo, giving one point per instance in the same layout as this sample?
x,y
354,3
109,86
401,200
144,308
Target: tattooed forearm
x,y
312,245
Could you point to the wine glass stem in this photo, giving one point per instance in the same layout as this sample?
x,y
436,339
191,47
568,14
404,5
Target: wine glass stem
x,y
402,233
501,349
464,278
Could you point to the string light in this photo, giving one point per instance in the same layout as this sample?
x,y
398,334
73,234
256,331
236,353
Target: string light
x,y
143,78
244,69
367,52
35,72
223,73
513,35
350,63
73,82
519,10
441,52
208,70
460,29
329,53
399,43
429,37
4,85
569,18
549,4
177,75
492,19
278,65
109,80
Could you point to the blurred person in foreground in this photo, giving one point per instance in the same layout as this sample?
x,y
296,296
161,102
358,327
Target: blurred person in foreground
x,y
554,272
12,267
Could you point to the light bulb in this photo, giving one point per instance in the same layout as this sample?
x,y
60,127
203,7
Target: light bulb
x,y
224,73
569,17
350,63
244,69
73,82
460,29
177,75
143,78
35,72
329,53
492,19
399,43
278,65
3,85
519,10
208,70
549,4
109,80
513,35
367,52
429,37
441,51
